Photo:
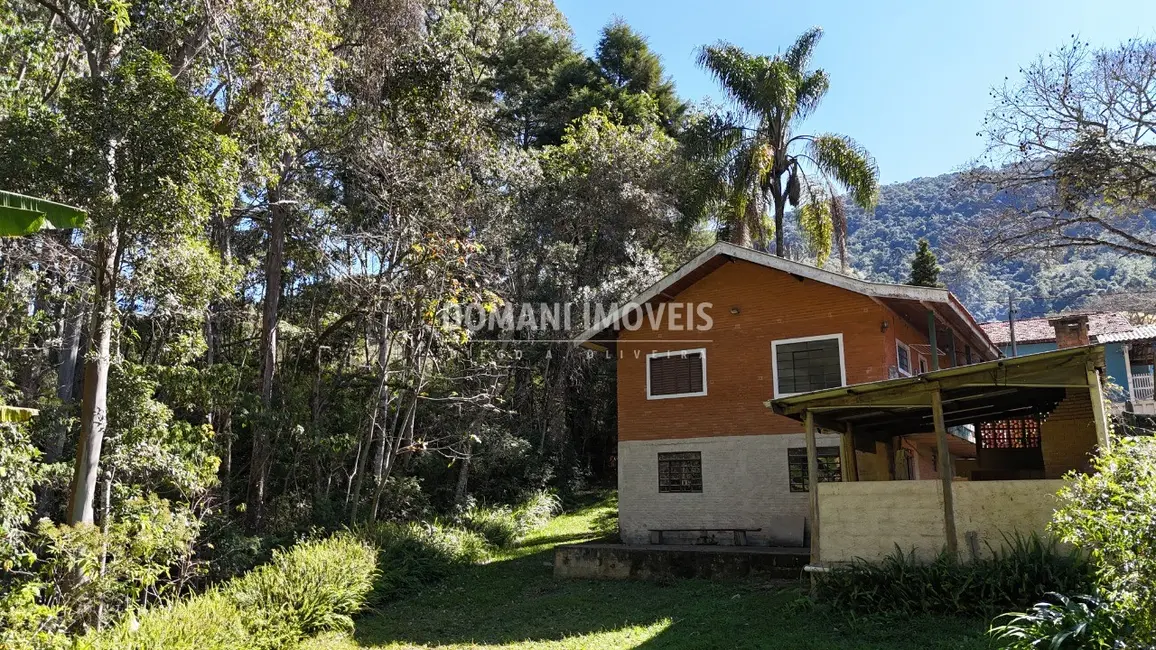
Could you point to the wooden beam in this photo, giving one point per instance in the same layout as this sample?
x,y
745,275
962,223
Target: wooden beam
x,y
1098,412
813,484
847,451
945,474
931,339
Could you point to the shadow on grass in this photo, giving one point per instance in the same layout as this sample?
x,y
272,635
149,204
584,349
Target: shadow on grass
x,y
519,601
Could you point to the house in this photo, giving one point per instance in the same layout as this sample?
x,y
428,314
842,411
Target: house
x,y
700,458
1128,349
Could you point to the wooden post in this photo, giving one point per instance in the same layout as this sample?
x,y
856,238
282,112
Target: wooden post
x,y
931,339
847,452
1098,412
945,473
813,484
951,348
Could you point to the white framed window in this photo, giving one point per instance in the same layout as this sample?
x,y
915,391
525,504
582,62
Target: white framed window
x,y
678,373
809,363
922,365
903,358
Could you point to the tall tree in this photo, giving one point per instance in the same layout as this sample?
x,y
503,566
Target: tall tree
x,y
1072,148
924,266
153,168
762,161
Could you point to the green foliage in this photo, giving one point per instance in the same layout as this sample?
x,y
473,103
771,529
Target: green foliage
x,y
497,524
1111,513
417,553
133,562
19,473
1015,575
1064,623
313,587
924,268
503,526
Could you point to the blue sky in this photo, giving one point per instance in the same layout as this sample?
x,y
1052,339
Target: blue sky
x,y
909,80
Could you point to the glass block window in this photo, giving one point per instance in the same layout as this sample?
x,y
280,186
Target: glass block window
x,y
680,471
1020,433
804,366
830,467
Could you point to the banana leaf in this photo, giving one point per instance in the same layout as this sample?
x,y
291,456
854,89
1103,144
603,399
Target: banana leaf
x,y
16,414
24,215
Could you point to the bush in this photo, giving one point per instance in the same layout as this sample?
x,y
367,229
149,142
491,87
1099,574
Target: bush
x,y
498,524
313,587
1065,623
414,554
310,588
1112,514
1016,576
503,527
537,511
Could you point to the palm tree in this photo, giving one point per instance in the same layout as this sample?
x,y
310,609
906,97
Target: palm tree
x,y
758,160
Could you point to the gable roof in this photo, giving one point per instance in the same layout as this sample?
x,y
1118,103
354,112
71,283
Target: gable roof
x,y
1039,330
902,298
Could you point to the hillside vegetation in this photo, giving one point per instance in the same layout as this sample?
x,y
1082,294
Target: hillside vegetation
x,y
882,244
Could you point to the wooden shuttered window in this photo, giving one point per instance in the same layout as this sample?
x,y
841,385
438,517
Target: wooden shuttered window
x,y
676,373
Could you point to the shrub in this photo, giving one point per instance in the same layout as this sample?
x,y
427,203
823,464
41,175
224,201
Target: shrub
x,y
413,554
1112,514
498,524
313,587
310,588
503,527
537,511
210,621
1066,623
1013,577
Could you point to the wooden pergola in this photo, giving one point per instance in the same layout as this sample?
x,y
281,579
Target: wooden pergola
x,y
934,401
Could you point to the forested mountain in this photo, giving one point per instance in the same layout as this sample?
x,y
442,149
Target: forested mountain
x,y
882,244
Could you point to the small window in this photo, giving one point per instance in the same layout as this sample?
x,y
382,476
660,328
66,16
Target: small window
x,y
830,467
680,471
1019,433
804,365
903,357
681,373
922,365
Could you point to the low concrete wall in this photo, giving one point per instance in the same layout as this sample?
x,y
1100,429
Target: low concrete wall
x,y
618,561
868,519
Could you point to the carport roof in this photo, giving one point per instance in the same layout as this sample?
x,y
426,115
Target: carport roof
x,y
1033,384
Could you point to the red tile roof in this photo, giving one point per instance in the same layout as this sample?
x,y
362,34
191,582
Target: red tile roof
x,y
1038,330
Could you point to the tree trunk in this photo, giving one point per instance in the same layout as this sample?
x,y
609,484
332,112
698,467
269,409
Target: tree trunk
x,y
780,211
274,260
94,402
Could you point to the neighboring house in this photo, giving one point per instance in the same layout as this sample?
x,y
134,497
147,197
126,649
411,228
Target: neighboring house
x,y
698,451
1128,349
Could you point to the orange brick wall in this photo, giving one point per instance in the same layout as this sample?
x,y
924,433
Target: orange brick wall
x,y
1068,435
773,305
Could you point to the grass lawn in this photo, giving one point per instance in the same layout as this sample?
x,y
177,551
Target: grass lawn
x,y
515,602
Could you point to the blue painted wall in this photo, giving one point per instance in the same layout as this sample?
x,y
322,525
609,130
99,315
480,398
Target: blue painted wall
x,y
1113,362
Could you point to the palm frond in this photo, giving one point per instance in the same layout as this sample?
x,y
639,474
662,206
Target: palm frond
x,y
736,71
841,158
811,91
799,54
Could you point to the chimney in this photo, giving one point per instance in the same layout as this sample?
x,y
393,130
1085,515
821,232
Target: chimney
x,y
1071,330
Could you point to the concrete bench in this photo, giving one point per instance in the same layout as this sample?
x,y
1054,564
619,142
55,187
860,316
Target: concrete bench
x,y
740,534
